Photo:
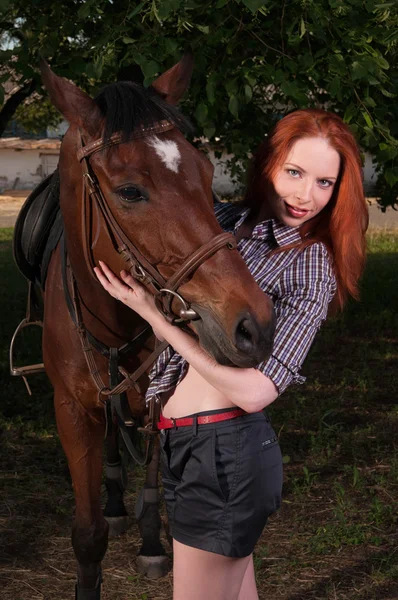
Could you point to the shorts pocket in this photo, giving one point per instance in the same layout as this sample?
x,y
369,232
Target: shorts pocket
x,y
225,460
165,454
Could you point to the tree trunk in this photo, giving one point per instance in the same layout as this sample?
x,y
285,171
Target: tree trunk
x,y
9,108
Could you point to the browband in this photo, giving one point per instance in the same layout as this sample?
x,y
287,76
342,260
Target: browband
x,y
118,138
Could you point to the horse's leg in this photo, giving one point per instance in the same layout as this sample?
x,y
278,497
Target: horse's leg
x,y
81,435
152,559
115,483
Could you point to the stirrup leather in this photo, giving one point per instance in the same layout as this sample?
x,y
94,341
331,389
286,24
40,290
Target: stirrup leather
x,y
28,321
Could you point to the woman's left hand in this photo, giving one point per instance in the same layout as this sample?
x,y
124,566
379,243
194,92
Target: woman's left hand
x,y
128,290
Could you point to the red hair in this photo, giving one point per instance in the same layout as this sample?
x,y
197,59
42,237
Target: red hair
x,y
342,224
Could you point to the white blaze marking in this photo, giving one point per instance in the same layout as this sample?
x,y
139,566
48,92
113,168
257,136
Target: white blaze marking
x,y
167,151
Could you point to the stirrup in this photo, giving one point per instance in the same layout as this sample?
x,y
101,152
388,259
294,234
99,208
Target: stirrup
x,y
28,369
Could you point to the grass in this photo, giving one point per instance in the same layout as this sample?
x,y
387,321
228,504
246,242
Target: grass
x,y
335,536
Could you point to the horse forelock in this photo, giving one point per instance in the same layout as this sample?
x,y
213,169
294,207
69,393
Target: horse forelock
x,y
127,106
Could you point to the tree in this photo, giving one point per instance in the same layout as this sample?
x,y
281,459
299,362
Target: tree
x,y
254,61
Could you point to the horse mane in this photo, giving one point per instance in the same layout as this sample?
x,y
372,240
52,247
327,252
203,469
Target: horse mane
x,y
127,106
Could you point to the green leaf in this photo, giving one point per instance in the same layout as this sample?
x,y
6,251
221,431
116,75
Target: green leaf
x,y
392,37
210,91
170,46
387,94
386,153
358,71
368,120
350,112
91,70
84,10
78,66
136,11
370,102
381,61
391,176
232,87
335,87
248,93
204,29
99,65
201,113
253,5
128,40
164,10
139,59
233,106
302,28
250,79
150,68
4,4
209,132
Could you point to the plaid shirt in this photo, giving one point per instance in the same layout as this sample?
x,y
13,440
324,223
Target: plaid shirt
x,y
301,285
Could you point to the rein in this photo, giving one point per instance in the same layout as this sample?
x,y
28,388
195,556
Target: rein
x,y
164,292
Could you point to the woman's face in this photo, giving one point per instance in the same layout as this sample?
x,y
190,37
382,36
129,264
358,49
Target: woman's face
x,y
305,182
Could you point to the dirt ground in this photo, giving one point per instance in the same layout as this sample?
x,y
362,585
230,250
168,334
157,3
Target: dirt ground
x,y
11,203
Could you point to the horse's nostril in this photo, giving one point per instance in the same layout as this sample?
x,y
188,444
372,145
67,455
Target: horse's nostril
x,y
247,334
244,330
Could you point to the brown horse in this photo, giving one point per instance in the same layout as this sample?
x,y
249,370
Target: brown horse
x,y
147,206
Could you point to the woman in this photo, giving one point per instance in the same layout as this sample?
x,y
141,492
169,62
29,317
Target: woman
x,y
302,235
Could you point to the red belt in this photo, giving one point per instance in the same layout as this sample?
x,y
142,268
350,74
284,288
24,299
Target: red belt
x,y
201,420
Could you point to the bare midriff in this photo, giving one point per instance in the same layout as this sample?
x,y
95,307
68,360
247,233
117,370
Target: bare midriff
x,y
193,395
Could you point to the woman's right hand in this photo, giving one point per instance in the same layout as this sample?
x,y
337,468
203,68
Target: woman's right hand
x,y
129,291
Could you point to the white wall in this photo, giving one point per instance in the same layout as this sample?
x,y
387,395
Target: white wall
x,y
224,186
27,165
22,164
58,131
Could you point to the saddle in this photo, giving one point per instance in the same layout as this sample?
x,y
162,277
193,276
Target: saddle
x,y
38,230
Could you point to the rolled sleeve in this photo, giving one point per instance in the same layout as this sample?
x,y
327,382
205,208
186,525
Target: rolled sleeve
x,y
305,290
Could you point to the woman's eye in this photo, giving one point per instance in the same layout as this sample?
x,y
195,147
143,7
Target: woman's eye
x,y
293,172
325,183
131,194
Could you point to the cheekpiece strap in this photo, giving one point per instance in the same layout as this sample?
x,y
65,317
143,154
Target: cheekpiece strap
x,y
118,138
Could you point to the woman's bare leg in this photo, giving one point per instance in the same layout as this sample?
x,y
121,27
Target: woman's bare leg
x,y
248,591
199,574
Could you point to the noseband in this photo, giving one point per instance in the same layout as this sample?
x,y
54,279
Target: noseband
x,y
163,290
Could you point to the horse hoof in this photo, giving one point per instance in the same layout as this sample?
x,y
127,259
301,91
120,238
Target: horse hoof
x,y
117,525
153,566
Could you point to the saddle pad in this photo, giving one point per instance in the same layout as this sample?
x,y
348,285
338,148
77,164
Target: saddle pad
x,y
34,229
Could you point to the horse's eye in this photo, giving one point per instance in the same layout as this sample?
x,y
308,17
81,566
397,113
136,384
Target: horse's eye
x,y
132,193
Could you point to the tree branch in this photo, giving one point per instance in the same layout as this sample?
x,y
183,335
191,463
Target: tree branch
x,y
9,108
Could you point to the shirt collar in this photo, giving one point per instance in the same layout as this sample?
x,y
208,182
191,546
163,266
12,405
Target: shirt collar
x,y
283,234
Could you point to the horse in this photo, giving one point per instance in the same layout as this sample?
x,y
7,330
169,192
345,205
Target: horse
x,y
137,195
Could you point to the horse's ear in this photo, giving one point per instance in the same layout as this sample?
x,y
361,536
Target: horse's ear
x,y
76,106
174,82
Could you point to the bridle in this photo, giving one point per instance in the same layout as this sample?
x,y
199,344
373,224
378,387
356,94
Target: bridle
x,y
163,290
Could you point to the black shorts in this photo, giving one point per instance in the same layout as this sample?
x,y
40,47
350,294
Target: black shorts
x,y
221,482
